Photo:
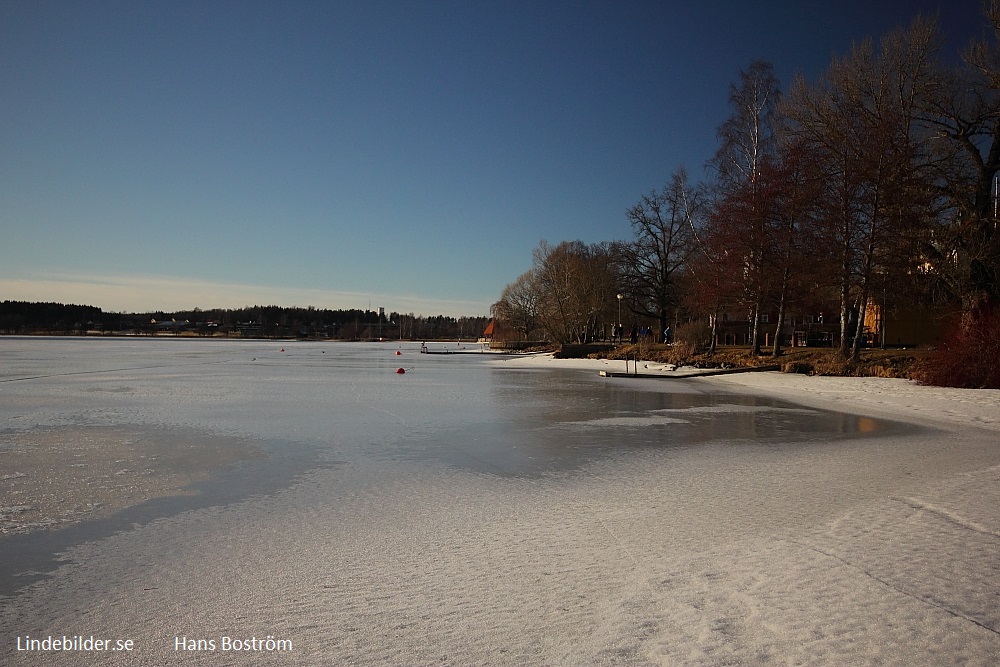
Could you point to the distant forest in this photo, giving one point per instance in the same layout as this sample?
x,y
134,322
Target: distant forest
x,y
29,318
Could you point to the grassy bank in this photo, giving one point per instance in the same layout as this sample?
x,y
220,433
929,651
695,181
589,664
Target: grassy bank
x,y
898,363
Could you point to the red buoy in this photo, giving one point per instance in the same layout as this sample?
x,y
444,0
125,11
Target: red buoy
x,y
400,371
398,353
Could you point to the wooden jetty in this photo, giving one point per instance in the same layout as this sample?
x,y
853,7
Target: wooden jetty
x,y
703,372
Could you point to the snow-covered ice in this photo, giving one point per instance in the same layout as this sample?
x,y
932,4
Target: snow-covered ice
x,y
521,512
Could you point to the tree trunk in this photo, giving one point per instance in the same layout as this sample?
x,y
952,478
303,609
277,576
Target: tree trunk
x,y
859,326
863,300
845,309
755,331
714,318
776,349
663,327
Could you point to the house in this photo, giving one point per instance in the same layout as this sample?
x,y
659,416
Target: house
x,y
904,327
487,335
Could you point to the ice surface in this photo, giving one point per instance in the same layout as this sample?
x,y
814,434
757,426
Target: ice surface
x,y
469,512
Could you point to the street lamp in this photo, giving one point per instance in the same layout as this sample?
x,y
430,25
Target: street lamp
x,y
620,297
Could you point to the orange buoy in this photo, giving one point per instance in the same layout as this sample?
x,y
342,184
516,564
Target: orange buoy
x,y
400,371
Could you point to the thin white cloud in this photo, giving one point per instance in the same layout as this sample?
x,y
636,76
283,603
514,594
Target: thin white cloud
x,y
138,294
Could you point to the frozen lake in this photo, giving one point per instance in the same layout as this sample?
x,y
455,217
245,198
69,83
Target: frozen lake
x,y
286,407
180,493
342,401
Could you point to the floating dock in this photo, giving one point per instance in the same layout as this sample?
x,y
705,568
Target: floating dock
x,y
469,350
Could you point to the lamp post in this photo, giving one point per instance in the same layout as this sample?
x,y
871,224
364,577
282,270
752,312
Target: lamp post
x,y
619,330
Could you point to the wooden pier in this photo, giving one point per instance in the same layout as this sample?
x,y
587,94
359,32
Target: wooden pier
x,y
697,373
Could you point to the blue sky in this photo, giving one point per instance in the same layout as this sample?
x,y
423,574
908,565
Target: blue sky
x,y
409,155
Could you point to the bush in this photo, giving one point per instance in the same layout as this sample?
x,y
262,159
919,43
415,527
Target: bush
x,y
969,357
693,337
799,367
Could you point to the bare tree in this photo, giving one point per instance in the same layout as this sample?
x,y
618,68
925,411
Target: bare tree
x,y
747,142
793,189
575,287
710,287
662,223
861,118
517,310
963,118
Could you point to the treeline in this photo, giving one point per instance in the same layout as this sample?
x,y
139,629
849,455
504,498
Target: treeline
x,y
873,184
20,317
23,316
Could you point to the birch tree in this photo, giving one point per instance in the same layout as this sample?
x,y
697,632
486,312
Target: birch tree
x,y
747,142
